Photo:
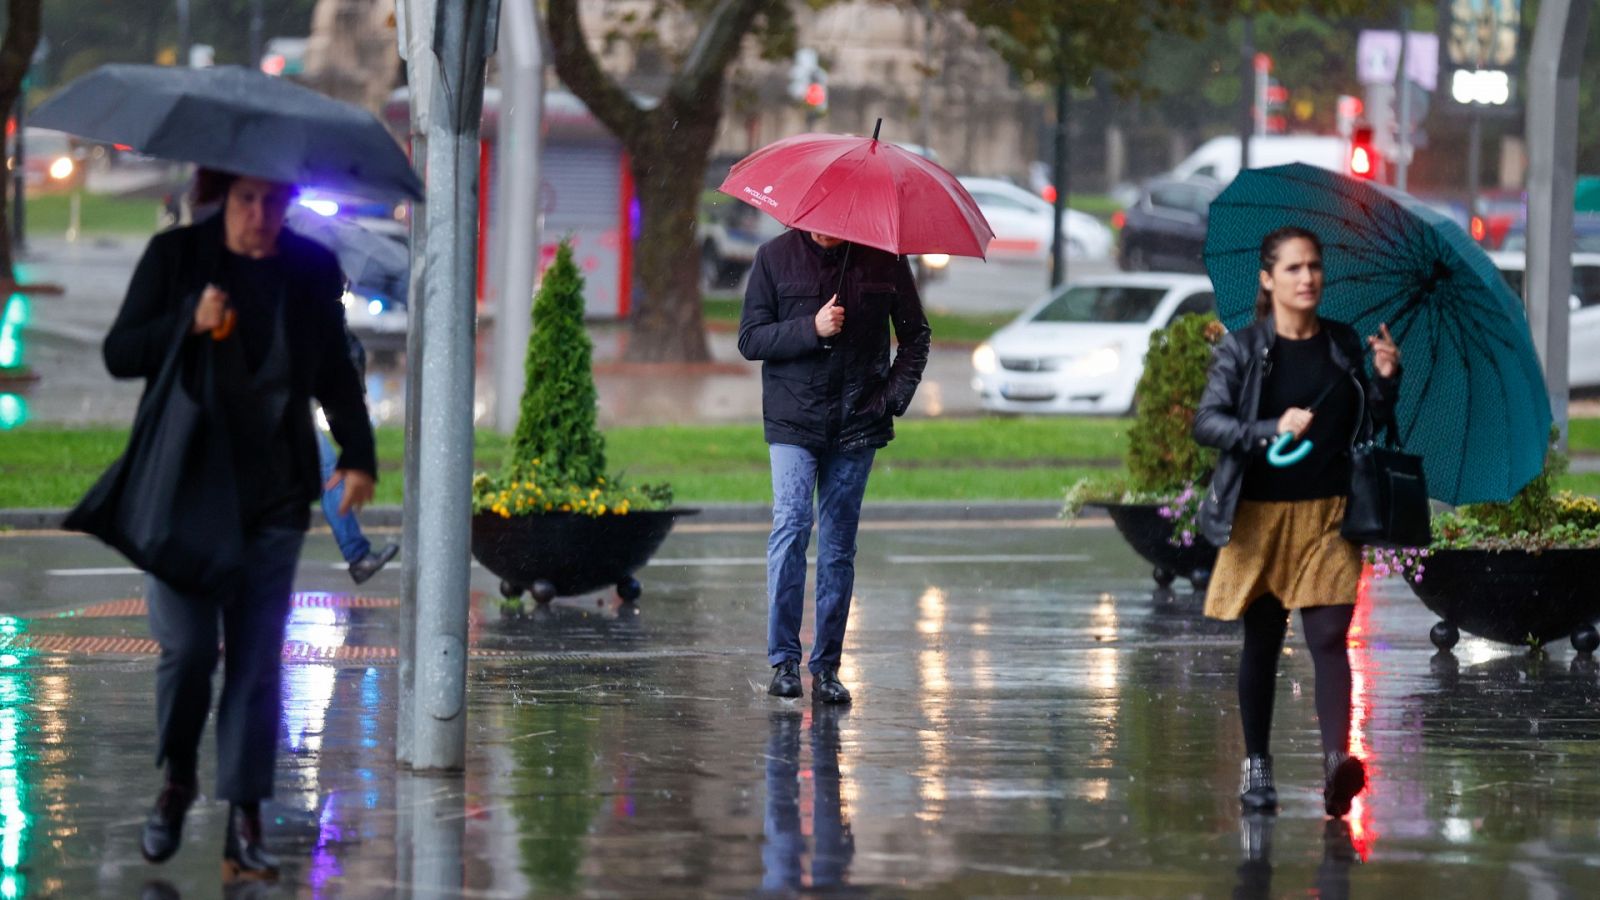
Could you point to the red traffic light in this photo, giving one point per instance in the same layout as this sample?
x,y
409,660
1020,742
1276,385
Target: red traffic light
x,y
816,94
1363,156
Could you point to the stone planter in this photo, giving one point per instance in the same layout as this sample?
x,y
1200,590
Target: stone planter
x,y
1146,532
1513,596
560,554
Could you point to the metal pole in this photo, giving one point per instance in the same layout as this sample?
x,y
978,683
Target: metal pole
x,y
1058,177
19,181
184,36
414,21
1402,88
463,31
1474,157
517,210
925,101
437,823
1552,129
257,26
1247,71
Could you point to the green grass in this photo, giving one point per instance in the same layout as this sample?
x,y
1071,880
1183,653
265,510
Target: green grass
x,y
931,459
948,328
48,214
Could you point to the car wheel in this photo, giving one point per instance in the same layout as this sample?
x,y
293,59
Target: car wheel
x,y
1135,259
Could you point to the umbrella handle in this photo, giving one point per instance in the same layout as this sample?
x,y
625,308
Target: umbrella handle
x,y
1279,453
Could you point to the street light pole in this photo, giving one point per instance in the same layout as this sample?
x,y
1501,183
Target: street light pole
x,y
184,36
516,209
1058,239
1552,129
257,26
464,33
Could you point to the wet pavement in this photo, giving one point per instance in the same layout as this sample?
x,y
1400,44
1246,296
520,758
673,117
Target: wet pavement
x,y
1030,719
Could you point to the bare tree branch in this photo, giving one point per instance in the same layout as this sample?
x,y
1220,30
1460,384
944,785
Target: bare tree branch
x,y
581,73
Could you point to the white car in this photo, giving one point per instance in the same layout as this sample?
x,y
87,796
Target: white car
x,y
1081,348
1022,223
1583,324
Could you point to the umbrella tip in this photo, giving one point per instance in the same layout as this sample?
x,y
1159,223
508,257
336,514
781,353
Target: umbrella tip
x,y
876,128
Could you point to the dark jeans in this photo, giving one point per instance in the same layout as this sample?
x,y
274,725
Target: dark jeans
x,y
838,482
251,616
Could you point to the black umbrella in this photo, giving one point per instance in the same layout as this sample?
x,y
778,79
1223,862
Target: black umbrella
x,y
237,120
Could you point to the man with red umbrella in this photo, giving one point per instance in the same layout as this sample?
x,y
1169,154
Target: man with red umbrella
x,y
818,311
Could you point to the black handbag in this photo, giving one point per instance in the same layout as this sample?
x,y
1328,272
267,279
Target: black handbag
x,y
170,503
1388,502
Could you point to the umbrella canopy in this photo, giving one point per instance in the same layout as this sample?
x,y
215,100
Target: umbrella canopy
x,y
1472,402
862,190
237,120
376,264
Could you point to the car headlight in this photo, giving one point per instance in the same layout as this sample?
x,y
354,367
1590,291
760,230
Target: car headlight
x,y
984,359
1100,362
62,168
936,260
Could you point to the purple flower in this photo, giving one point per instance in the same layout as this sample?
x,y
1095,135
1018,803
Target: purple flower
x,y
1381,570
1188,537
1417,579
1419,570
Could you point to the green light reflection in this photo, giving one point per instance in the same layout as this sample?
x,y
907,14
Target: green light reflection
x,y
15,821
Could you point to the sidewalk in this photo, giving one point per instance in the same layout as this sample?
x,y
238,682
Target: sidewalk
x,y
1029,719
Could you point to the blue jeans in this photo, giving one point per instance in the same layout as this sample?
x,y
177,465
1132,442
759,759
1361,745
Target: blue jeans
x,y
353,545
838,481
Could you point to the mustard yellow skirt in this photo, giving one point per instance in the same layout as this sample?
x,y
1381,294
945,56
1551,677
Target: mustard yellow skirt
x,y
1292,550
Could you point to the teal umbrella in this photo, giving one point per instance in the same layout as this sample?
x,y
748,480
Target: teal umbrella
x,y
1472,402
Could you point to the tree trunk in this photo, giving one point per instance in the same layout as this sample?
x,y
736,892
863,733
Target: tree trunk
x,y
668,171
16,54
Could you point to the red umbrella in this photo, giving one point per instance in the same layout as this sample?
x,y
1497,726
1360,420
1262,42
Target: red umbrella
x,y
862,190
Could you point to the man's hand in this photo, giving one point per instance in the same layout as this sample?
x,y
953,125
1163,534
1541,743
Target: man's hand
x,y
357,489
211,312
830,318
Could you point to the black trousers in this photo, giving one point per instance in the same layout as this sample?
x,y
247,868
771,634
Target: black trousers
x,y
251,617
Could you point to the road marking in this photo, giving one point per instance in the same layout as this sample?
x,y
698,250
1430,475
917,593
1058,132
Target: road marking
x,y
991,558
714,561
112,570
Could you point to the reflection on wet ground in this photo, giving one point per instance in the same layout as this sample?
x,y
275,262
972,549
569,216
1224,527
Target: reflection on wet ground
x,y
1044,727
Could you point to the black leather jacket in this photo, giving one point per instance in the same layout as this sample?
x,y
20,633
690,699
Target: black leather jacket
x,y
1228,417
844,396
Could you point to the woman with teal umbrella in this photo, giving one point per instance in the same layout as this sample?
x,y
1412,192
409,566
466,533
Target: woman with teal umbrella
x,y
1292,373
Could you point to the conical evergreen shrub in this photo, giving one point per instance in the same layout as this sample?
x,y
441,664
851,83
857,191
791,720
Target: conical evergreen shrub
x,y
557,425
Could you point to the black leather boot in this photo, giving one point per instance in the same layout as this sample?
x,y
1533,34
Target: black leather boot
x,y
1346,777
1258,793
826,687
244,857
785,679
163,829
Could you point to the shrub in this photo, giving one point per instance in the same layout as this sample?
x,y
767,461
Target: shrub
x,y
1163,457
558,459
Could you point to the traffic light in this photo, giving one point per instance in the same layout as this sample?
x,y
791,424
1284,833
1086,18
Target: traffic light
x,y
1363,162
817,96
13,318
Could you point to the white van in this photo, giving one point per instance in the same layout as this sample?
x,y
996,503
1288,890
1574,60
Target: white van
x,y
1218,158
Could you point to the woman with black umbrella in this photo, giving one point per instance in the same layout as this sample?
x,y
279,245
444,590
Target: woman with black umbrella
x,y
256,308
1279,525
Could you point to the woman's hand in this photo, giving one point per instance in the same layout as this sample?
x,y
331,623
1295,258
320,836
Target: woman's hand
x,y
212,310
357,489
1385,355
1295,421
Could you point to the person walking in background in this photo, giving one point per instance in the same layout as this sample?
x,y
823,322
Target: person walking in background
x,y
1278,527
263,304
353,544
817,313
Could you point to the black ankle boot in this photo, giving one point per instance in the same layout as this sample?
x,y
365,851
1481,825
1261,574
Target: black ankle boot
x,y
1258,793
244,858
1346,777
785,680
163,829
826,687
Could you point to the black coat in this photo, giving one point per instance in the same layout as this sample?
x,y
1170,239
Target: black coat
x,y
1229,414
177,265
846,397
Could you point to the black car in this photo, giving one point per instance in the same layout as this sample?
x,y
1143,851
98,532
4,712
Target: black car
x,y
1166,229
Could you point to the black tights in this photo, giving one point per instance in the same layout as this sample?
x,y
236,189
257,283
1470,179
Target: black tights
x,y
1327,630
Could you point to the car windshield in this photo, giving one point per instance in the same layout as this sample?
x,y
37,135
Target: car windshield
x,y
1102,303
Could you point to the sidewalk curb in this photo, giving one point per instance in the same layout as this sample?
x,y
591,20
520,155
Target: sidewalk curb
x,y
709,513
